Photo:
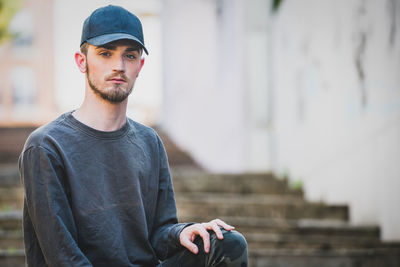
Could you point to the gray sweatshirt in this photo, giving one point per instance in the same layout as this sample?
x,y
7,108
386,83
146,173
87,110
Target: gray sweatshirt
x,y
96,198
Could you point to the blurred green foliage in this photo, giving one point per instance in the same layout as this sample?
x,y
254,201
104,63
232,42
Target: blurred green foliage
x,y
8,8
296,185
276,4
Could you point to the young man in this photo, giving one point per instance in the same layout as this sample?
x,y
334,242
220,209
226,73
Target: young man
x,y
98,190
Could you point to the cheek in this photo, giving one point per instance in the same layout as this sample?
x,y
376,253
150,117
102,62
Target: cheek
x,y
133,72
96,71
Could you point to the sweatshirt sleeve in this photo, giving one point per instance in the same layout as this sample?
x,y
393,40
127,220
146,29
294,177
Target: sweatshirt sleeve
x,y
47,211
165,238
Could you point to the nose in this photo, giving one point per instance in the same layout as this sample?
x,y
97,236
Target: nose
x,y
119,64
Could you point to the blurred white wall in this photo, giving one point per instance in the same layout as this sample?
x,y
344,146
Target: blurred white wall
x,y
337,104
312,90
215,81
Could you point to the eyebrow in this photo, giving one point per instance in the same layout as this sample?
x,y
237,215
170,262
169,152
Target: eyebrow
x,y
114,47
133,48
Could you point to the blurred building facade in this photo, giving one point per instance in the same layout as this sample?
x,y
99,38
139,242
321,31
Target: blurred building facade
x,y
27,66
310,89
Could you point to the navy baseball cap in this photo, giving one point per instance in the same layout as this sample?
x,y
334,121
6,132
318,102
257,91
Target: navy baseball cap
x,y
111,23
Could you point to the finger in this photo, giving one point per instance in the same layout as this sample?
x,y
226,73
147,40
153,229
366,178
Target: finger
x,y
224,225
206,237
187,243
217,230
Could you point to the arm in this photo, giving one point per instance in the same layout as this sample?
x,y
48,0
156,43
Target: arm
x,y
47,210
165,238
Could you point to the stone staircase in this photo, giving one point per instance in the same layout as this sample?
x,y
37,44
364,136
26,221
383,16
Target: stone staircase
x,y
11,199
281,227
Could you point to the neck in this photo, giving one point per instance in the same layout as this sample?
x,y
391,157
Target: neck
x,y
100,114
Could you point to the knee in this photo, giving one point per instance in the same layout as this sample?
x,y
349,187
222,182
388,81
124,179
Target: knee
x,y
233,239
233,248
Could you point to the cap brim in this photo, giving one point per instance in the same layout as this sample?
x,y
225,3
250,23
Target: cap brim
x,y
107,38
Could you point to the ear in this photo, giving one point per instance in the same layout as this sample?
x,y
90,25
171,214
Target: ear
x,y
80,60
141,65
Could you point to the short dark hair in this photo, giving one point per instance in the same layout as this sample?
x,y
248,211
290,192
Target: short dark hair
x,y
84,48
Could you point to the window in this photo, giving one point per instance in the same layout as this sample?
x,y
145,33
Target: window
x,y
22,28
23,85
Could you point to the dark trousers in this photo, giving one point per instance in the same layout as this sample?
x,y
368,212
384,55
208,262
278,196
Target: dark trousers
x,y
228,252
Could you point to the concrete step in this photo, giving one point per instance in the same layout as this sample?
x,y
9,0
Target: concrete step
x,y
194,181
10,220
11,191
303,227
12,140
11,198
9,175
11,240
379,257
385,257
211,205
176,156
12,258
316,241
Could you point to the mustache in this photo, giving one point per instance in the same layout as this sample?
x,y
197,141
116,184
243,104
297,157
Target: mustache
x,y
117,75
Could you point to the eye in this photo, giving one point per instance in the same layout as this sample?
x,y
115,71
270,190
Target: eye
x,y
131,56
105,54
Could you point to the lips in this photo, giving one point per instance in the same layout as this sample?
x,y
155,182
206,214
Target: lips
x,y
117,80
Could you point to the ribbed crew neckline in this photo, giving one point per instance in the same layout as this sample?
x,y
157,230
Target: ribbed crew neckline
x,y
96,133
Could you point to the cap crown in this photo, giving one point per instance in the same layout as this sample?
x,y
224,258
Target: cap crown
x,y
110,23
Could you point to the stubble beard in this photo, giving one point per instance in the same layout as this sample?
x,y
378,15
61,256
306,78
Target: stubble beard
x,y
113,95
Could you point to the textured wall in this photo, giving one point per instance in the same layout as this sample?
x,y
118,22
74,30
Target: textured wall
x,y
202,81
337,103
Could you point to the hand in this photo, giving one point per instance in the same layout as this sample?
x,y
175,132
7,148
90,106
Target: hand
x,y
189,233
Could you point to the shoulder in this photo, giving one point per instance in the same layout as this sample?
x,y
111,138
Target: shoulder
x,y
147,137
46,134
142,131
